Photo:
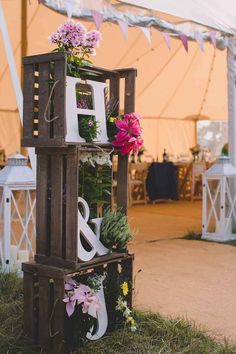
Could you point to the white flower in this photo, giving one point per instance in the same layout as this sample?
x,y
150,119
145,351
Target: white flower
x,y
127,312
102,159
85,156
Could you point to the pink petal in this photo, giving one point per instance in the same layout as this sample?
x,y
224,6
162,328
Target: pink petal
x,y
121,124
122,137
125,150
70,307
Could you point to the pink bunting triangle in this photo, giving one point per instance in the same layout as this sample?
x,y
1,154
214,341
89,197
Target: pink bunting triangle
x,y
184,40
199,40
124,28
213,38
166,37
147,33
98,18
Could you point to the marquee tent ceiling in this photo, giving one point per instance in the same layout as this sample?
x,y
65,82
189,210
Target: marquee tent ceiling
x,y
217,14
171,84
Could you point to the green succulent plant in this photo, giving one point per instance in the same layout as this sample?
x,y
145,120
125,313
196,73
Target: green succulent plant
x,y
115,230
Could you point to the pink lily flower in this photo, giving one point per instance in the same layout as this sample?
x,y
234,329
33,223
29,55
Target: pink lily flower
x,y
128,138
70,301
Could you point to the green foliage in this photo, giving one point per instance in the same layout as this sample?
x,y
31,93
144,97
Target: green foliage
x,y
88,128
111,129
95,281
158,335
192,235
115,230
95,186
11,315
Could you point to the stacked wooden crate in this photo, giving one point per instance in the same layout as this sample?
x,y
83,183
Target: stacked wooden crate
x,y
57,196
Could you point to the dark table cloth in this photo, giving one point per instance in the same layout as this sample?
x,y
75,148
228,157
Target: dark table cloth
x,y
162,182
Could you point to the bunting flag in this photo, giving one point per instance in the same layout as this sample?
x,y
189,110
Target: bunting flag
x,y
69,5
166,37
147,33
213,38
98,18
124,28
184,40
199,40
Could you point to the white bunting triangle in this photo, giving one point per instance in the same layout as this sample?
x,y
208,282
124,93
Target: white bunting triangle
x,y
166,37
213,38
199,40
98,18
69,5
147,33
124,28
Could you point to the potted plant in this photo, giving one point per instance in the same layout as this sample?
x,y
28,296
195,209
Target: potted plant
x,y
80,44
115,230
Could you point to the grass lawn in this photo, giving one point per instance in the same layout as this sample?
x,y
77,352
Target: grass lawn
x,y
155,334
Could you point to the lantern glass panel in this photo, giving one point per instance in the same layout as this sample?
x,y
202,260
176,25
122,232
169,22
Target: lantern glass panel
x,y
1,227
23,220
230,209
213,204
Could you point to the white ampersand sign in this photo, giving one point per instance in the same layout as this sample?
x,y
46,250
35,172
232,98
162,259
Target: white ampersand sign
x,y
93,239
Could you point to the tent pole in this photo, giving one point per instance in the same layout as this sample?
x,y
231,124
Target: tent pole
x,y
24,43
14,78
231,69
24,39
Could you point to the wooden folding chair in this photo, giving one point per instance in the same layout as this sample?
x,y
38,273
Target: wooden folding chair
x,y
137,183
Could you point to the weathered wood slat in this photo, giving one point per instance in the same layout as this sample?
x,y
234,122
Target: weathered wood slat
x,y
122,183
69,150
42,58
130,77
67,264
43,98
56,205
28,104
43,270
115,93
41,204
44,312
59,272
71,206
58,315
42,142
29,315
55,261
59,99
123,165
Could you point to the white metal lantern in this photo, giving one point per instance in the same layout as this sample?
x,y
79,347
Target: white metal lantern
x,y
17,213
219,202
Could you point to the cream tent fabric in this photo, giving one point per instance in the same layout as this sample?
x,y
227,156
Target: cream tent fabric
x,y
173,88
217,14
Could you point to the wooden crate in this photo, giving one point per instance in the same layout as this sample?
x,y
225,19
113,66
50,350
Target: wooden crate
x,y
57,204
40,73
45,318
